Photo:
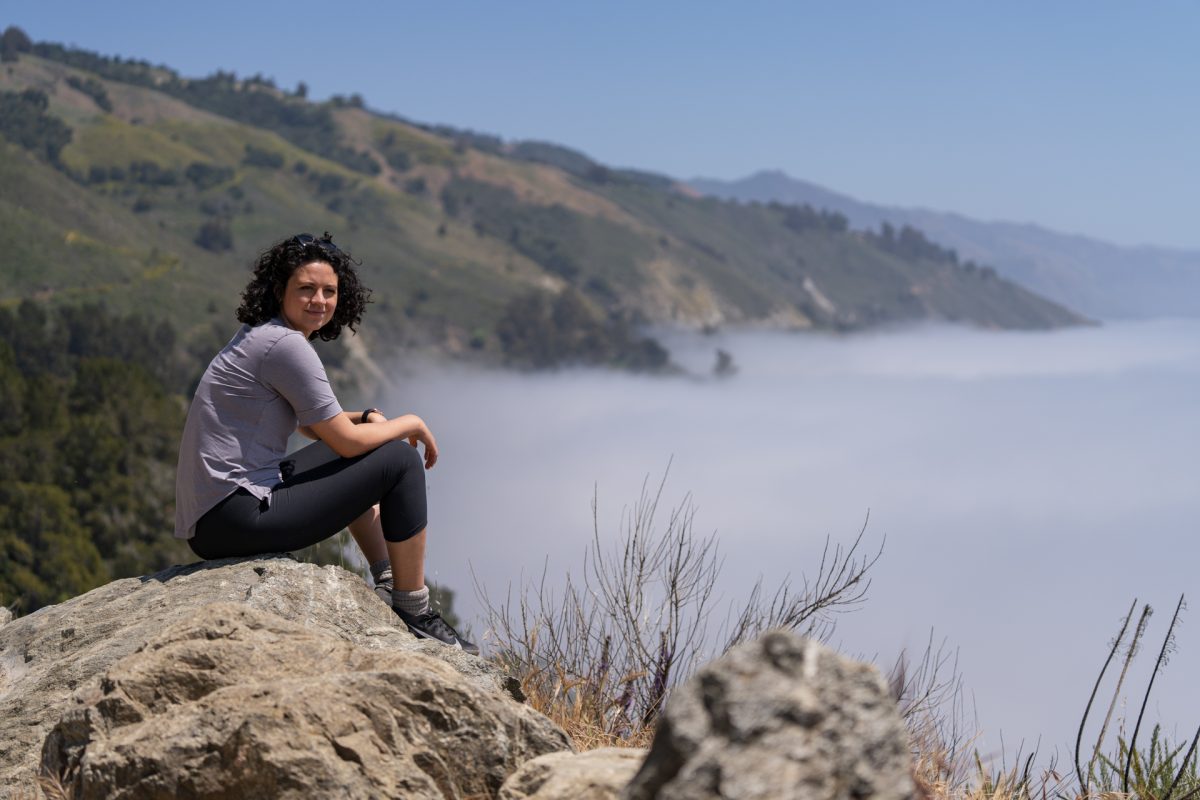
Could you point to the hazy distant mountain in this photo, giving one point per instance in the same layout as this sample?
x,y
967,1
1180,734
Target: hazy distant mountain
x,y
1099,279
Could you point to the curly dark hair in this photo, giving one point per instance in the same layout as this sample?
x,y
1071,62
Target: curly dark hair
x,y
261,297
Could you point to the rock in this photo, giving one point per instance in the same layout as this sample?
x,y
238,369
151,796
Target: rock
x,y
238,702
47,655
780,717
594,775
5,615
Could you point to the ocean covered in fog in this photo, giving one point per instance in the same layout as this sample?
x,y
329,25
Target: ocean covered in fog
x,y
1029,486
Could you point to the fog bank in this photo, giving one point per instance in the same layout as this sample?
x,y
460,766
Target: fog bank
x,y
1029,485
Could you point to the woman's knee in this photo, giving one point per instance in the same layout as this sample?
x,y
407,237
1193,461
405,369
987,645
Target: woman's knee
x,y
403,457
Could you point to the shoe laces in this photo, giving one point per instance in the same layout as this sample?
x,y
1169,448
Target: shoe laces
x,y
433,621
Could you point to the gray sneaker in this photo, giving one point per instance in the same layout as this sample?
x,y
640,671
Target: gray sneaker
x,y
430,625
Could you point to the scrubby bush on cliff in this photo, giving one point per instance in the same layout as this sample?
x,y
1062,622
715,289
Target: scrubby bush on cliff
x,y
24,121
215,235
542,330
601,654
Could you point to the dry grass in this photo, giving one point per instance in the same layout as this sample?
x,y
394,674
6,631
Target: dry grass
x,y
582,712
42,787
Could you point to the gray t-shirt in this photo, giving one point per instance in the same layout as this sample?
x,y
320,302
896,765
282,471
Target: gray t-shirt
x,y
255,392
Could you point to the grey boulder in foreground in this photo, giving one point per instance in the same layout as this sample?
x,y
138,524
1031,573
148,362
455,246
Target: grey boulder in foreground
x,y
780,717
237,702
57,651
594,775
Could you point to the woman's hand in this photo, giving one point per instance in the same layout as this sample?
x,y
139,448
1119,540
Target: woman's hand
x,y
425,436
349,440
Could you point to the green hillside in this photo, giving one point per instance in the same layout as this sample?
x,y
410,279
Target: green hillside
x,y
127,184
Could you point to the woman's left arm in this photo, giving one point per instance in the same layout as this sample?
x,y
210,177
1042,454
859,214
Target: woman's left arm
x,y
349,440
355,417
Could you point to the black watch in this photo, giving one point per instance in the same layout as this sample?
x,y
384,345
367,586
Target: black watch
x,y
368,413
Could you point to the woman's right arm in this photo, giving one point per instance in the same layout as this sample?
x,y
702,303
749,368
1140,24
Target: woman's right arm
x,y
349,440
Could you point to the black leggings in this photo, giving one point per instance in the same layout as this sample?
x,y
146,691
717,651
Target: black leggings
x,y
321,494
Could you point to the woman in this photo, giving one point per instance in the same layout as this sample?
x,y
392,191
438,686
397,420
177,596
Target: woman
x,y
239,494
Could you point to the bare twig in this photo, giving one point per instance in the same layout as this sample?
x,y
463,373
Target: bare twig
x,y
1168,642
1091,698
642,608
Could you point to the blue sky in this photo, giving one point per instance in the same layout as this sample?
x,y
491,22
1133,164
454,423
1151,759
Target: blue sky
x,y
1079,116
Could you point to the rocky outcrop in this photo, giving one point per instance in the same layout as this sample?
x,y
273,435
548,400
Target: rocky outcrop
x,y
595,775
270,678
50,654
780,717
238,702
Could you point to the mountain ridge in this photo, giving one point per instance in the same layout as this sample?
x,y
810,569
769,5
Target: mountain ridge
x,y
1098,278
165,187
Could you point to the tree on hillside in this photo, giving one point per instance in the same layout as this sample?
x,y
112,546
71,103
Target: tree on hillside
x,y
215,235
46,556
93,89
262,157
13,41
542,330
24,121
205,176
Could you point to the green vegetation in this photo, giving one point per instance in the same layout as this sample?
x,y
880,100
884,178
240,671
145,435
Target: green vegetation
x,y
1160,770
87,450
253,101
541,330
13,42
462,232
24,121
585,250
262,157
93,89
215,235
206,176
564,158
1108,766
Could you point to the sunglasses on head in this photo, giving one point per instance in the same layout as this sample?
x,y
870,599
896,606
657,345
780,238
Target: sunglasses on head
x,y
325,242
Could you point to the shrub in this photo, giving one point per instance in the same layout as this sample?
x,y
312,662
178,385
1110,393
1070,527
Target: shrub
x,y
149,172
24,121
542,331
93,89
12,42
205,176
215,235
262,157
605,650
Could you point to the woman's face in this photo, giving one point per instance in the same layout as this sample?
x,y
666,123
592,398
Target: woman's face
x,y
310,297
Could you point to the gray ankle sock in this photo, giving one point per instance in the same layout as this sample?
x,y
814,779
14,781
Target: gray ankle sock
x,y
415,602
381,574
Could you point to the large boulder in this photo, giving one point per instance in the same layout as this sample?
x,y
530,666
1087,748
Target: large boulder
x,y
238,702
49,654
779,717
594,775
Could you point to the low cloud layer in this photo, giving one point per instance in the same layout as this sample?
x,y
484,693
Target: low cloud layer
x,y
1028,485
